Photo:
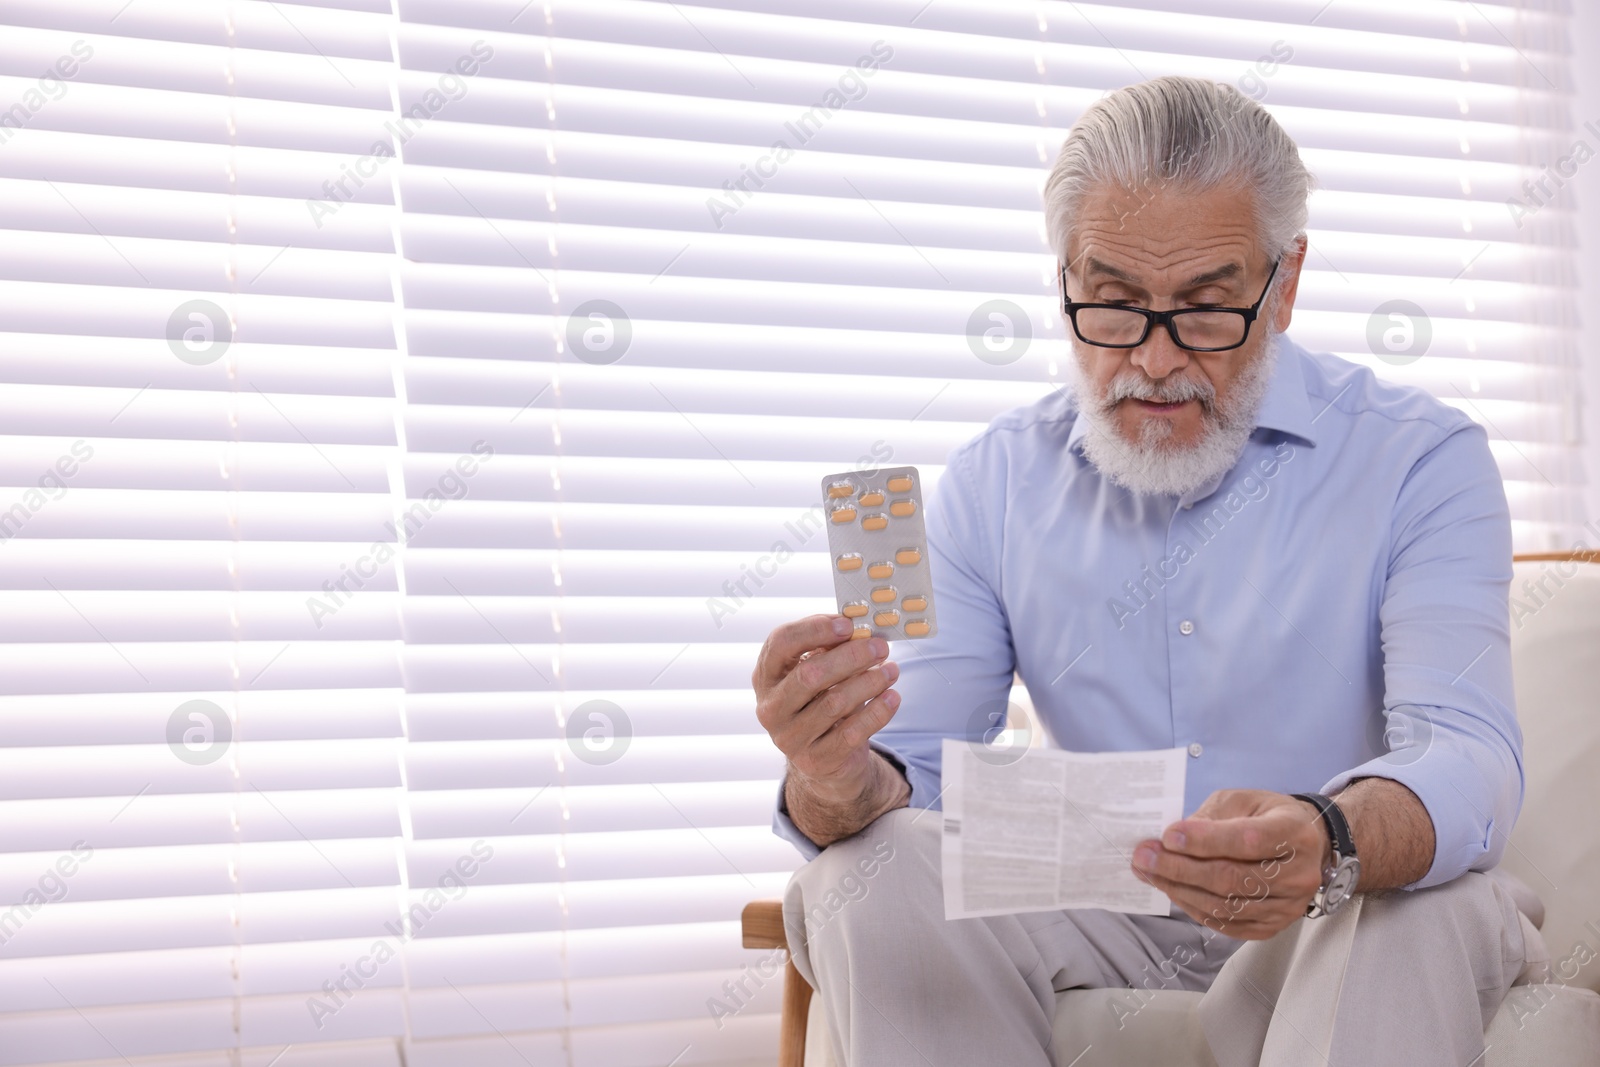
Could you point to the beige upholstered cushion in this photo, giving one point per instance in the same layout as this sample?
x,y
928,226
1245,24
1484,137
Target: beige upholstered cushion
x,y
819,1049
1548,1026
1545,1026
1555,847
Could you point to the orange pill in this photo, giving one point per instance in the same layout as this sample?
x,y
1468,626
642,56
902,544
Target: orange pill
x,y
844,513
850,561
884,594
879,571
908,557
837,490
871,522
917,628
861,633
855,609
886,618
871,498
901,508
900,483
915,603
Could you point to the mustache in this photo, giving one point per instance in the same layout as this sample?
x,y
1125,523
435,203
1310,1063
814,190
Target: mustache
x,y
1137,386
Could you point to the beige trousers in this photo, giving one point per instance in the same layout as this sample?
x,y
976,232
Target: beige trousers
x,y
1404,978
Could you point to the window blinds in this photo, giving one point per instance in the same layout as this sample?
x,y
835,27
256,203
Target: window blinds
x,y
200,783
415,414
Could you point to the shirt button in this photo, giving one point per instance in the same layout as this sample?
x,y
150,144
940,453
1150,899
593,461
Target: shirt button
x,y
1186,628
1195,748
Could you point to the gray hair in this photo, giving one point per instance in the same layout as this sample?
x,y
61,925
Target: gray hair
x,y
1186,132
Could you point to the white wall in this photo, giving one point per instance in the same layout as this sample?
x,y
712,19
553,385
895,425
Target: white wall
x,y
1586,40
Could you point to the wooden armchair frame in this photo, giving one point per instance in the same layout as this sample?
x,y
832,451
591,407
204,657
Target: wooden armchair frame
x,y
762,926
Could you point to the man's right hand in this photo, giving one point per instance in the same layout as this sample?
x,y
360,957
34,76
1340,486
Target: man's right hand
x,y
820,696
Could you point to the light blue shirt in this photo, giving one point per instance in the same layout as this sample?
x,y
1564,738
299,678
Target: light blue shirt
x,y
1333,607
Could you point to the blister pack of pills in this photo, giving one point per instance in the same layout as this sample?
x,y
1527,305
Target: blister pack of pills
x,y
878,551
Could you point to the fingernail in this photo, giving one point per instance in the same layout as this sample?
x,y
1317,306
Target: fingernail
x,y
1174,839
891,698
1145,859
842,626
891,670
879,647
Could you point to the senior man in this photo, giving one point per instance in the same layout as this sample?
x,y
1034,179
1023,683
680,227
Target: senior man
x,y
1220,542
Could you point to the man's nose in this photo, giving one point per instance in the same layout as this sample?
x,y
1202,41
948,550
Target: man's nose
x,y
1159,356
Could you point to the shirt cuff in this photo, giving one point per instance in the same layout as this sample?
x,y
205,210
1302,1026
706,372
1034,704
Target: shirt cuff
x,y
925,790
1462,838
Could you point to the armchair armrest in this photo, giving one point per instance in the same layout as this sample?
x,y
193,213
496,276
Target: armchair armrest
x,y
762,924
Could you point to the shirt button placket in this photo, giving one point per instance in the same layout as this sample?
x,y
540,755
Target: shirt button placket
x,y
1178,598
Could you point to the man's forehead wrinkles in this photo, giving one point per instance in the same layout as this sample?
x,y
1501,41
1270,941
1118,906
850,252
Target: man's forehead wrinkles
x,y
1177,255
1196,267
1190,244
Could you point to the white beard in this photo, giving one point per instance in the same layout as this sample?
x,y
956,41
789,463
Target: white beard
x,y
1152,466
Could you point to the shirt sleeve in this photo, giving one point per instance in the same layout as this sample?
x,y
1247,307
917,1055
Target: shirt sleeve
x,y
1452,736
955,683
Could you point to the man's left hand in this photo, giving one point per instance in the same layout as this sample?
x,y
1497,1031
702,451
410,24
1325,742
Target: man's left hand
x,y
1245,864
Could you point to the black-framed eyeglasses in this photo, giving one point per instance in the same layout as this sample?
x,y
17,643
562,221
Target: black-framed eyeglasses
x,y
1203,329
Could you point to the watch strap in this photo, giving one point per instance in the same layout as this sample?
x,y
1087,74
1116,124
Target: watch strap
x,y
1338,827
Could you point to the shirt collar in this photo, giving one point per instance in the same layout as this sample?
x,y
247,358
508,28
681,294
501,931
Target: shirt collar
x,y
1285,407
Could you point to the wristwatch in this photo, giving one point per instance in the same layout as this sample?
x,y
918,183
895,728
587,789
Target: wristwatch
x,y
1339,877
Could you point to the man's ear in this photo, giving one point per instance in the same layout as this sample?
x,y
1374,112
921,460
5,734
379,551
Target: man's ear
x,y
1289,286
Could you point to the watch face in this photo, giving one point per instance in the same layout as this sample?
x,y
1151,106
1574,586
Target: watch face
x,y
1342,883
